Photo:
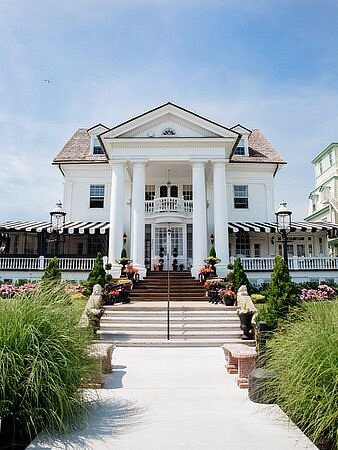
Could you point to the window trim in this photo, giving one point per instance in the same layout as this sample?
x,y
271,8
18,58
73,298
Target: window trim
x,y
103,197
240,196
92,146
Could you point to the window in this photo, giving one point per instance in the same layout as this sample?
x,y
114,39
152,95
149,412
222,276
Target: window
x,y
96,196
240,149
243,244
149,192
300,250
169,132
97,149
163,191
257,249
189,240
290,249
177,240
79,249
314,202
320,167
331,159
321,247
161,235
94,245
241,197
174,191
187,192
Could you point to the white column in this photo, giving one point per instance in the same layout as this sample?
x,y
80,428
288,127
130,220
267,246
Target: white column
x,y
116,215
221,217
138,217
199,217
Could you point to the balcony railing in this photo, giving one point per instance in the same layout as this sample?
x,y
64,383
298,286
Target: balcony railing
x,y
86,264
295,263
168,205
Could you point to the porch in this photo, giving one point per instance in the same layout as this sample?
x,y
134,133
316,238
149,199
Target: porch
x,y
258,269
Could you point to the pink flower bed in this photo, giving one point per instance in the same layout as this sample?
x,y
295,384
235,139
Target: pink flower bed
x,y
9,290
323,292
74,288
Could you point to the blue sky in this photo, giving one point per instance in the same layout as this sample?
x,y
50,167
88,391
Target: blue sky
x,y
269,64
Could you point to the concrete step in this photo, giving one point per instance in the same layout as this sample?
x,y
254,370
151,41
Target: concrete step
x,y
177,343
205,308
115,319
117,327
174,334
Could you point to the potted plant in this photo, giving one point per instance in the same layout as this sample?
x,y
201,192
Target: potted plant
x,y
124,261
206,272
212,260
227,296
245,315
181,267
160,264
175,265
130,271
175,253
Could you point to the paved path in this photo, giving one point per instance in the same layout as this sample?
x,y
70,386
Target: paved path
x,y
178,398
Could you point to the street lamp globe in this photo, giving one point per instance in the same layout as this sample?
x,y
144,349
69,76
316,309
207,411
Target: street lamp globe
x,y
57,217
283,218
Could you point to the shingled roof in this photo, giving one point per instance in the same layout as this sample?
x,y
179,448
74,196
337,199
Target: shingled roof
x,y
77,149
260,150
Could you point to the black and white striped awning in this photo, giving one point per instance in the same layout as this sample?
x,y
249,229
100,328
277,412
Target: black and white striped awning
x,y
103,227
69,227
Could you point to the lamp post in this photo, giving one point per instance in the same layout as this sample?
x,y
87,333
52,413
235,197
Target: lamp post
x,y
283,219
57,222
168,274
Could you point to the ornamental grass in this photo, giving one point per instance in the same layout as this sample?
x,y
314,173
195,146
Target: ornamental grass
x,y
305,357
43,360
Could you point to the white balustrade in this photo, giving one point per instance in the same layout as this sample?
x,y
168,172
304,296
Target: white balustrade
x,y
86,264
295,263
168,205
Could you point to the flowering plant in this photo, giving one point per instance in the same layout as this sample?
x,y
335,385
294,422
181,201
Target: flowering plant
x,y
215,283
323,292
130,269
9,290
227,296
206,270
74,288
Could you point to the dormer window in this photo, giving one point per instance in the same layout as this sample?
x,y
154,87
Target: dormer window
x,y
97,149
240,149
169,132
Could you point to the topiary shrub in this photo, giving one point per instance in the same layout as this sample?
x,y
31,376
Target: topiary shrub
x,y
239,277
43,361
97,275
280,295
304,356
52,272
212,252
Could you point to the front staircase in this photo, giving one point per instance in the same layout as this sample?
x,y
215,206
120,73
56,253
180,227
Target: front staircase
x,y
155,288
192,320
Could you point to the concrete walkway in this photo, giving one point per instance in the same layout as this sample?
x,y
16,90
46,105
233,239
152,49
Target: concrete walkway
x,y
177,398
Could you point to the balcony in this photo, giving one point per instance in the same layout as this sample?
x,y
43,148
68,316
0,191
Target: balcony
x,y
169,205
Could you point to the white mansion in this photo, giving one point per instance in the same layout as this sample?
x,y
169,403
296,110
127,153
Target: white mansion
x,y
166,183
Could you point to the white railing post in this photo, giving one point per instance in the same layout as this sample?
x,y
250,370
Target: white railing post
x,y
41,262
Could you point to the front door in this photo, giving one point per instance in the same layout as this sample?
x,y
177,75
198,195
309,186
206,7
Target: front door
x,y
168,242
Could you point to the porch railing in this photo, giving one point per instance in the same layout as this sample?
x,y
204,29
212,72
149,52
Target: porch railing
x,y
168,205
86,264
40,263
295,263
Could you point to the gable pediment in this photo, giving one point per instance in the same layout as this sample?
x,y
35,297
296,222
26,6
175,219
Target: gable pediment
x,y
184,124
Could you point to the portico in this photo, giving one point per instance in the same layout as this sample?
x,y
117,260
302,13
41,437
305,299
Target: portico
x,y
178,207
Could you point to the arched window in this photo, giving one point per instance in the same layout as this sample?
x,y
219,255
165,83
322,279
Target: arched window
x,y
168,132
163,191
174,191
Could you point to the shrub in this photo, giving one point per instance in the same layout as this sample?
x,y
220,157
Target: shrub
x,y
43,360
258,298
305,357
280,295
212,252
239,277
52,272
97,275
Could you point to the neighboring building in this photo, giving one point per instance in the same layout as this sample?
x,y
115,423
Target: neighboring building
x,y
323,205
168,169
